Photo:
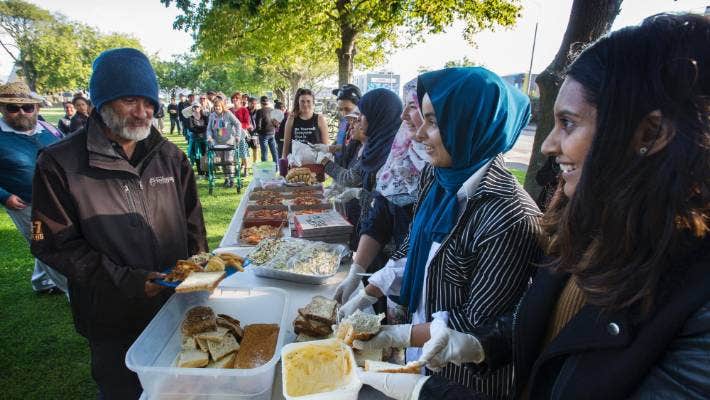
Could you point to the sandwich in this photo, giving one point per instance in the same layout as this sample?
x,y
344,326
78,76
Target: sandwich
x,y
199,281
320,309
359,326
385,367
193,359
311,328
197,320
226,346
258,346
231,324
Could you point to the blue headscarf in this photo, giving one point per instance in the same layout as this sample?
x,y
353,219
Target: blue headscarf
x,y
479,116
383,109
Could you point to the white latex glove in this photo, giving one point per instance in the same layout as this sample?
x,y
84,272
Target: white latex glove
x,y
360,301
320,147
398,336
349,194
320,156
350,284
449,346
396,386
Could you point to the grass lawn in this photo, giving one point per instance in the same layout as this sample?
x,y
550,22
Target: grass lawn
x,y
42,356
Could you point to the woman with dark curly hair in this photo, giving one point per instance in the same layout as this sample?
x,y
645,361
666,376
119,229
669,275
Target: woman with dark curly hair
x,y
622,308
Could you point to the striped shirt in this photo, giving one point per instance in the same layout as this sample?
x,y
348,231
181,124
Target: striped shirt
x,y
483,266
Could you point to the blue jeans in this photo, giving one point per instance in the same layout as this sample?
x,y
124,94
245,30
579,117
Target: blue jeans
x,y
271,141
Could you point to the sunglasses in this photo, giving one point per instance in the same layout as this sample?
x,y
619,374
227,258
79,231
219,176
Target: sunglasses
x,y
13,108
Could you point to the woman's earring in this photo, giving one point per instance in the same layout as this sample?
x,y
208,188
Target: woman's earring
x,y
643,150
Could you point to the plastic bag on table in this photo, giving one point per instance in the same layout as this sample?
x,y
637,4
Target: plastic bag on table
x,y
301,154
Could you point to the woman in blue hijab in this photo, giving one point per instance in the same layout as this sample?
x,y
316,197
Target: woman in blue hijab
x,y
473,238
379,121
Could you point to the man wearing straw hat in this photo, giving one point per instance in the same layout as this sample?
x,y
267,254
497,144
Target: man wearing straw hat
x,y
21,137
119,205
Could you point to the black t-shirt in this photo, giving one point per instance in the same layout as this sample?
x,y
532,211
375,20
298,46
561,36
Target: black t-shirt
x,y
306,130
173,110
182,105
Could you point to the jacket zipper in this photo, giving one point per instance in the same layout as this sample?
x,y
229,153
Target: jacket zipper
x,y
131,204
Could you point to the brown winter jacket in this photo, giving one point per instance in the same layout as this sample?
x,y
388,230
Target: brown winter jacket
x,y
105,223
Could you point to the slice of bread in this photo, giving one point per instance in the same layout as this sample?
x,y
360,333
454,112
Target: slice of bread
x,y
313,328
188,343
361,356
213,336
385,367
258,345
321,309
200,281
193,359
197,320
227,345
232,325
224,362
359,326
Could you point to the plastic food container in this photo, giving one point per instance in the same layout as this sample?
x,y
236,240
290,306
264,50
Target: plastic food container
x,y
153,354
264,171
347,392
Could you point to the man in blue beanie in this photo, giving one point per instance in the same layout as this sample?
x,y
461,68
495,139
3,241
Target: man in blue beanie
x,y
115,204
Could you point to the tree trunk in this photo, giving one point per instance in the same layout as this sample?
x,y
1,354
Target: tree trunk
x,y
589,19
346,52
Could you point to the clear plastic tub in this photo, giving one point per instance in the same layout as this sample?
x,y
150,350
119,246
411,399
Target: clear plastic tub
x,y
153,354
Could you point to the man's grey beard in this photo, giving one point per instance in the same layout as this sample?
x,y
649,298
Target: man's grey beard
x,y
23,123
120,125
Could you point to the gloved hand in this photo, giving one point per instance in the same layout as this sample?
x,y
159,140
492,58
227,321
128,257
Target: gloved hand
x,y
398,336
349,194
360,301
321,157
396,386
447,345
350,284
320,147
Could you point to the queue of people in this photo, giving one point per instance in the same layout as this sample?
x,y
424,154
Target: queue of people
x,y
602,296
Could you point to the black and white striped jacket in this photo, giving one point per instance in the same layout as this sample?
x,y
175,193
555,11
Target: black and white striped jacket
x,y
484,265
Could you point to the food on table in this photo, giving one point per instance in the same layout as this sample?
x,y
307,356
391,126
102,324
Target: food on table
x,y
197,320
267,214
259,194
258,345
385,367
310,211
316,260
300,175
232,260
199,281
317,368
321,309
311,327
200,258
231,324
307,192
270,201
214,264
266,250
302,337
205,343
256,234
359,326
306,201
362,356
182,269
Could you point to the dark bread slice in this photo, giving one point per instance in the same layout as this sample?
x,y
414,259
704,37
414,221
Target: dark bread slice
x,y
197,320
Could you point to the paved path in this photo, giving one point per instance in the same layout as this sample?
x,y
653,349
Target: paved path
x,y
519,156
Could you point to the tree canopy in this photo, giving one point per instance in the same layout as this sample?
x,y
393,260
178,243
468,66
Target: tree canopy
x,y
53,52
290,34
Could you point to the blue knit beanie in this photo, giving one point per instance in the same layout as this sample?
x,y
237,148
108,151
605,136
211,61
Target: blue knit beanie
x,y
120,73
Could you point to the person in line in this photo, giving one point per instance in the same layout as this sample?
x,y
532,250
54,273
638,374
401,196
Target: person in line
x,y
22,136
392,210
158,118
65,122
197,124
182,105
347,98
473,240
622,308
266,130
378,124
206,104
253,135
303,124
279,135
173,112
83,107
114,204
242,113
224,129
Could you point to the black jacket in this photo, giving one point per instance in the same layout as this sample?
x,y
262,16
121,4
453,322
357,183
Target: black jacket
x,y
598,355
105,223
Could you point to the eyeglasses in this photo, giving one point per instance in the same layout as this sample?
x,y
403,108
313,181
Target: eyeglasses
x,y
13,108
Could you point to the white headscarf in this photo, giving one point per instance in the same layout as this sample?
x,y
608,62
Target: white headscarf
x,y
398,179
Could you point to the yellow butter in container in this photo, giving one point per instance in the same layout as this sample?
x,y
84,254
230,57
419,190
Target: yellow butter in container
x,y
323,369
